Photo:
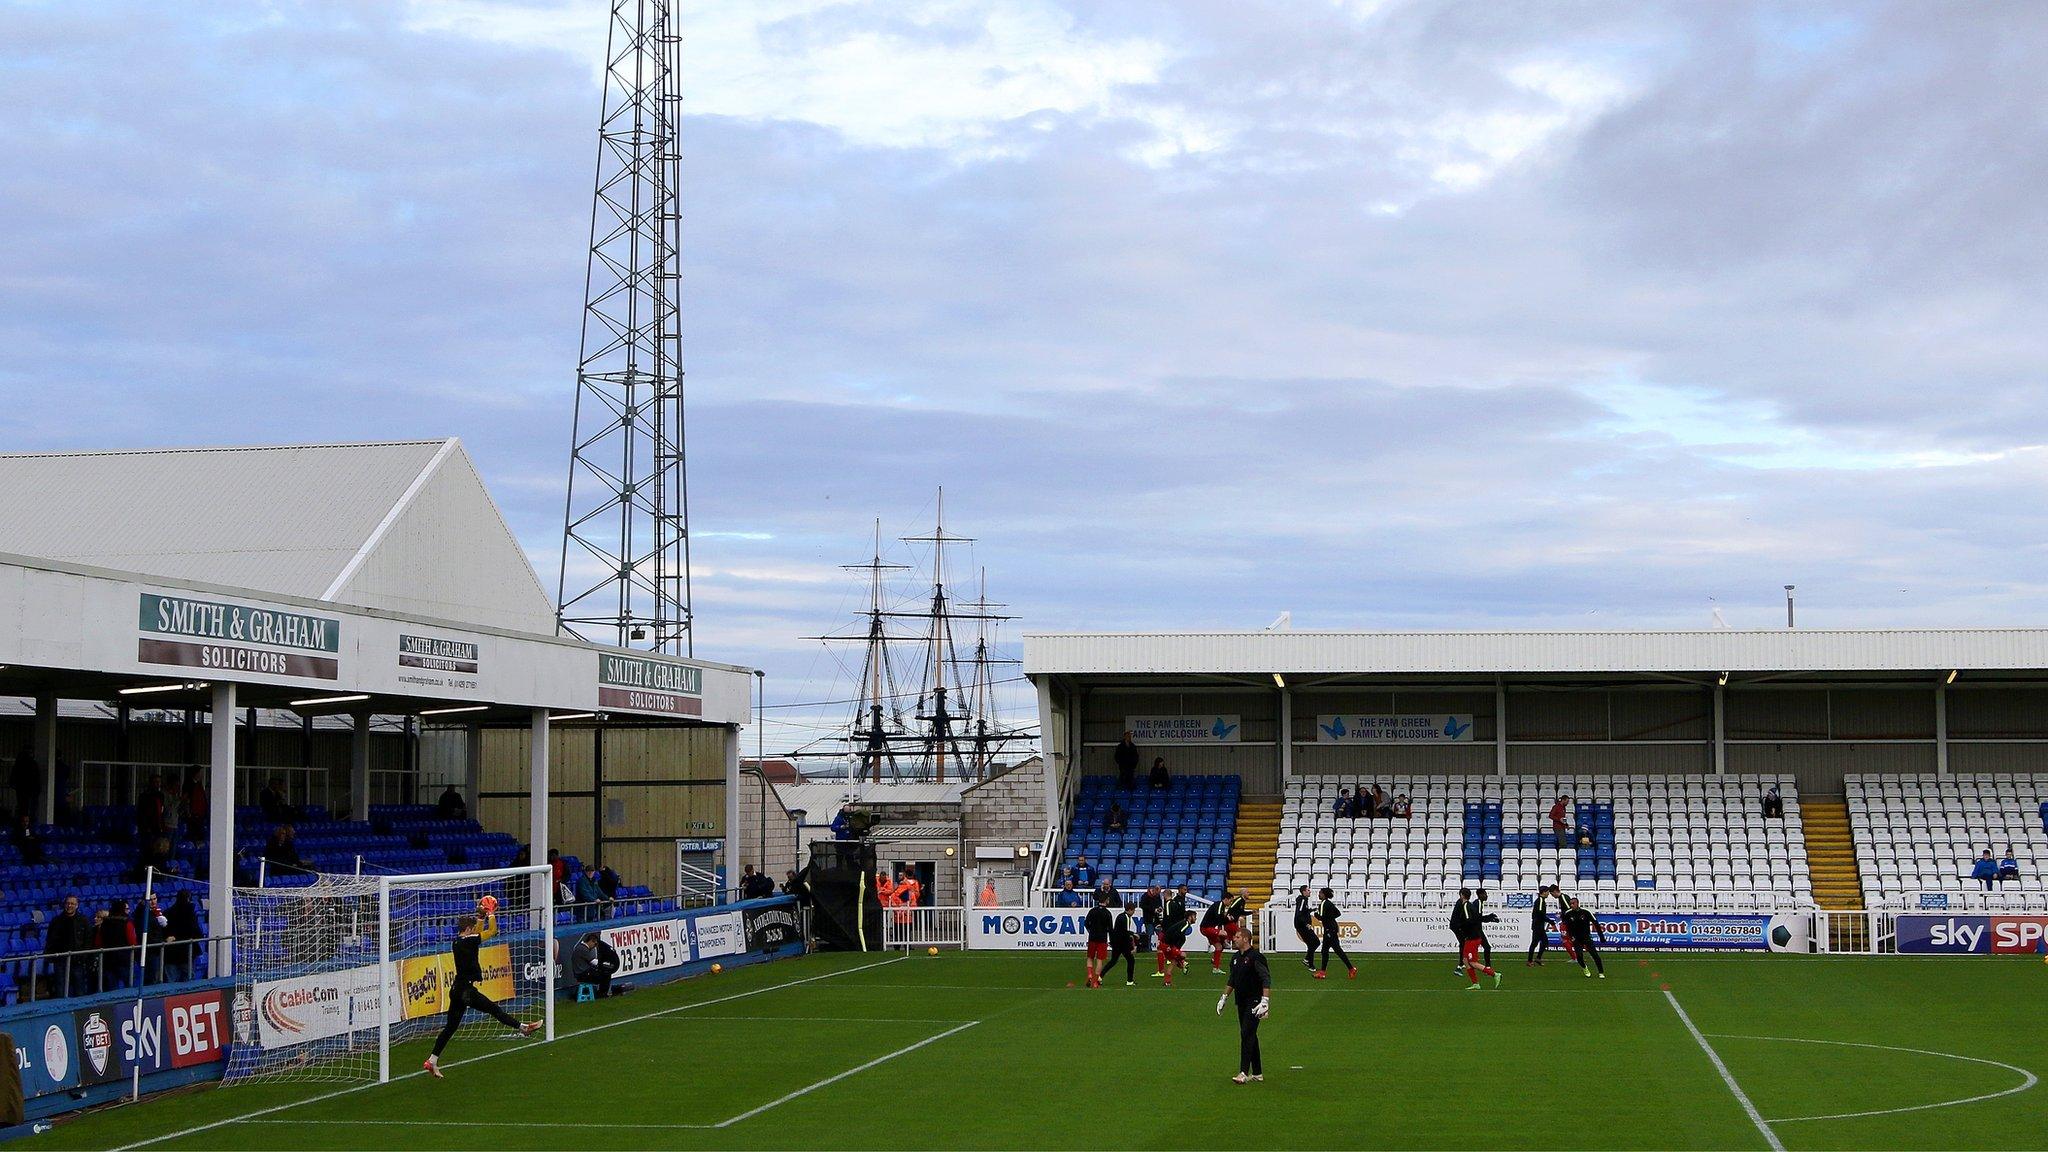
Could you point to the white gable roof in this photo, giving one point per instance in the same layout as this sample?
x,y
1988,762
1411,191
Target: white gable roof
x,y
405,526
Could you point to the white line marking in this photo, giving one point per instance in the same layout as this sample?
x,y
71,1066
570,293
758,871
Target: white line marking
x,y
1727,1077
502,1051
830,1019
2028,1078
753,1112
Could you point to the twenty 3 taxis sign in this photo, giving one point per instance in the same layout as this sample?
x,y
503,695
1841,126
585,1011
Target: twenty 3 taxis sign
x,y
225,636
637,684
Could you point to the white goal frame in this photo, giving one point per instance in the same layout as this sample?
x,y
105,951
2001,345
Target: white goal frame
x,y
542,902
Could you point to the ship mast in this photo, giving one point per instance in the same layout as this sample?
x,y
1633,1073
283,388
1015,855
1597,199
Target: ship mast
x,y
877,676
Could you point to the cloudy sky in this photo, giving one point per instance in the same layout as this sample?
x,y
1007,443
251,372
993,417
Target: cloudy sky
x,y
1392,315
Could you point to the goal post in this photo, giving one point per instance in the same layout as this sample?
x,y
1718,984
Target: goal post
x,y
332,975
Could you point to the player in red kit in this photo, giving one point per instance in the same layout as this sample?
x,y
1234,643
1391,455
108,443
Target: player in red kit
x,y
1468,921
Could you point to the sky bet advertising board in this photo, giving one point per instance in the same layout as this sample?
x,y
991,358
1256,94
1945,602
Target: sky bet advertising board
x,y
1972,935
111,1042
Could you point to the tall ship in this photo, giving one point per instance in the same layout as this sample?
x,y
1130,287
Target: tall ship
x,y
927,704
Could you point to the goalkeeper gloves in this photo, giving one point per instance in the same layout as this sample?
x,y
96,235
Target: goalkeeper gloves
x,y
1221,1001
1265,1005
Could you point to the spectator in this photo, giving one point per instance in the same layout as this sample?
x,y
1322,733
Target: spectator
x,y
2044,815
798,887
1084,872
1774,804
149,811
608,881
1361,801
1382,803
1068,897
151,928
451,805
589,897
1403,807
28,785
277,807
69,932
560,866
1116,819
988,897
842,826
1343,805
282,850
1127,762
1160,779
156,853
196,811
114,936
1557,825
1986,870
1106,893
763,887
2009,868
27,842
1583,837
593,962
181,924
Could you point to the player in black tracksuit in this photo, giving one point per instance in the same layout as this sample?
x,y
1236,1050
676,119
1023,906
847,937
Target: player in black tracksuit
x,y
1173,934
1098,923
1332,917
1304,908
1580,925
1123,941
463,994
1539,927
1252,985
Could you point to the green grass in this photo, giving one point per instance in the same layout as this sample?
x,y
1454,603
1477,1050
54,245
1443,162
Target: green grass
x,y
1399,1058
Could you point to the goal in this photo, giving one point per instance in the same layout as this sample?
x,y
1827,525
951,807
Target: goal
x,y
330,975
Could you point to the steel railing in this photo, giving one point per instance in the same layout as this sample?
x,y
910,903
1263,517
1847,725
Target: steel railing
x,y
90,971
909,928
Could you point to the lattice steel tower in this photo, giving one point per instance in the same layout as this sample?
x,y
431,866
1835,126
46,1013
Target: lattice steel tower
x,y
625,574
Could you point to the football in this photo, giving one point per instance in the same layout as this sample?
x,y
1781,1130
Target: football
x,y
932,951
488,905
717,968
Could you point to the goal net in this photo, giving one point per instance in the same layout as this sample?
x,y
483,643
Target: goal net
x,y
331,975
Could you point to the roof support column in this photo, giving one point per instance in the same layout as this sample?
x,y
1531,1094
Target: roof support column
x,y
46,753
473,767
220,830
537,801
1941,729
1286,737
359,769
1500,726
1720,730
732,812
1051,754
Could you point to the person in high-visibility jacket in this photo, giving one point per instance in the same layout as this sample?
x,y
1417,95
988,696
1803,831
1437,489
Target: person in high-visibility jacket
x,y
885,888
907,892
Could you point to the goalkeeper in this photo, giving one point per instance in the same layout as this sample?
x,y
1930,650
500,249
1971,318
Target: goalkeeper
x,y
463,994
1252,984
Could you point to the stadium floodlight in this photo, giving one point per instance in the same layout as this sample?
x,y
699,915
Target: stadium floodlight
x,y
453,711
329,976
349,699
1278,682
1723,681
159,688
1952,674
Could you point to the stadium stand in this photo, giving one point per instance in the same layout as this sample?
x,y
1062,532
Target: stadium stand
x,y
1176,835
98,862
1920,834
1678,843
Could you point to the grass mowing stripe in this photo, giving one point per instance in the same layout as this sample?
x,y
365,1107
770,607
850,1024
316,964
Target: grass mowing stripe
x,y
1727,1077
2028,1079
196,1129
830,1080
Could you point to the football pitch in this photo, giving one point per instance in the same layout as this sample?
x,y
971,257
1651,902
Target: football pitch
x,y
993,1050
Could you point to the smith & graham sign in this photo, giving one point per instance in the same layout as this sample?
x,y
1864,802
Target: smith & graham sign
x,y
230,637
642,685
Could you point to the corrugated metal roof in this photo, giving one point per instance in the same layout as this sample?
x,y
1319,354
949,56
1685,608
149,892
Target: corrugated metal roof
x,y
822,801
915,830
402,525
1324,653
268,519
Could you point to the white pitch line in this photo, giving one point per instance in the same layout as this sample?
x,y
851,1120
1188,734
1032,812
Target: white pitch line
x,y
2028,1079
502,1051
829,1080
1727,1077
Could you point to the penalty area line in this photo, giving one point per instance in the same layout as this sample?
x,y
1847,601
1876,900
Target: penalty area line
x,y
1727,1077
354,1088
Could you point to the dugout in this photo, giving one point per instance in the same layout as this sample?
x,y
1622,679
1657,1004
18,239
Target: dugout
x,y
160,601
1814,703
